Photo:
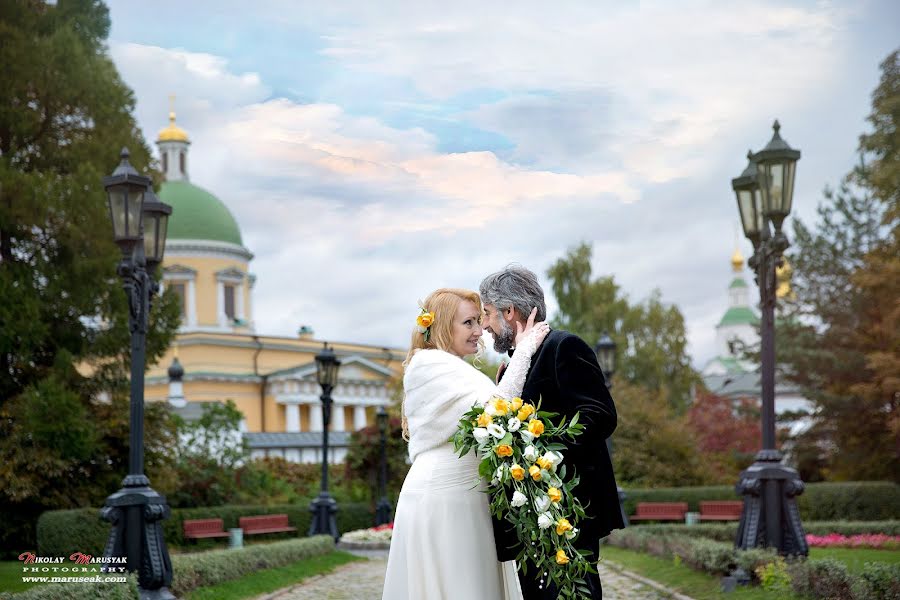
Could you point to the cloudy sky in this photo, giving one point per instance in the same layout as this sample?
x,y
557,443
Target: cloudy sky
x,y
373,151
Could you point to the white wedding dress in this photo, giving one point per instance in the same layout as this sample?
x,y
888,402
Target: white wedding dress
x,y
442,546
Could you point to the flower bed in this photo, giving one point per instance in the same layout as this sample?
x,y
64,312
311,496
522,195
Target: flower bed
x,y
872,540
373,538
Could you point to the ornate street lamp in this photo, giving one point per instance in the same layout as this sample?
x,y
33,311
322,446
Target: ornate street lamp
x,y
156,222
605,349
383,510
324,507
764,194
136,510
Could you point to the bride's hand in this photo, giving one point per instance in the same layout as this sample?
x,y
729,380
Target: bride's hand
x,y
538,330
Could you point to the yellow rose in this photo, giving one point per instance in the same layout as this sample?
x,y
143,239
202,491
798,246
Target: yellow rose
x,y
501,406
536,427
562,526
535,472
517,472
561,557
484,420
544,463
425,319
516,404
554,494
504,450
526,411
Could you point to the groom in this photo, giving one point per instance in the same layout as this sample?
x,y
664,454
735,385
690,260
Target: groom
x,y
565,375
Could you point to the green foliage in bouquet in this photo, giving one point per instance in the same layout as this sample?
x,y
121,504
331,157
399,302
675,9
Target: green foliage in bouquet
x,y
521,461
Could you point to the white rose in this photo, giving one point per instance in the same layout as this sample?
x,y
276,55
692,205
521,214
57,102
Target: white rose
x,y
530,453
496,431
498,475
519,499
526,435
481,434
570,534
513,424
553,458
541,503
545,520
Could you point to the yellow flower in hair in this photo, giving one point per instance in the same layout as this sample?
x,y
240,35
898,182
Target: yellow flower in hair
x,y
516,404
561,558
484,419
535,472
504,450
536,428
517,471
425,319
562,526
554,494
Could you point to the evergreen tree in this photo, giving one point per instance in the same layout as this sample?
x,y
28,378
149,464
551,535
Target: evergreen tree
x,y
64,116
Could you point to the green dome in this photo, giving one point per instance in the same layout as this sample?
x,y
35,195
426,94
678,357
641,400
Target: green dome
x,y
738,282
738,315
198,215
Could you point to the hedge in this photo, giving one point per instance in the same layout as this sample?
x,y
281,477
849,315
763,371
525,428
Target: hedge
x,y
726,532
204,569
854,501
816,578
62,532
79,591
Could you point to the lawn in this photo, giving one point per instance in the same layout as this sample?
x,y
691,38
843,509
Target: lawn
x,y
270,580
855,558
682,578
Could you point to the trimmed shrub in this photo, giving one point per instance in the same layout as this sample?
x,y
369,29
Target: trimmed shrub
x,y
726,532
79,591
61,532
878,581
855,500
826,579
204,569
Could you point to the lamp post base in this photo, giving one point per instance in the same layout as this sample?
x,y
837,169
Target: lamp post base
x,y
770,517
383,512
136,513
323,509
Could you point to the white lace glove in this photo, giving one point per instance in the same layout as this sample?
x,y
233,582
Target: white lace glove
x,y
514,376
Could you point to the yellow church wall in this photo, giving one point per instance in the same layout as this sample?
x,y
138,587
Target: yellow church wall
x,y
305,417
206,284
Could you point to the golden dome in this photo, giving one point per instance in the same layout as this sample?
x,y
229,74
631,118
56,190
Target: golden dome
x,y
737,260
172,133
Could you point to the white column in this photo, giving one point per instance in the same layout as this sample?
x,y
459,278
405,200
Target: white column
x,y
191,299
293,417
315,416
337,417
239,301
359,417
220,304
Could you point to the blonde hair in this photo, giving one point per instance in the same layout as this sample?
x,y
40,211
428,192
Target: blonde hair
x,y
443,304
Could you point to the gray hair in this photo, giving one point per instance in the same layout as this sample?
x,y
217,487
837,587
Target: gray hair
x,y
517,287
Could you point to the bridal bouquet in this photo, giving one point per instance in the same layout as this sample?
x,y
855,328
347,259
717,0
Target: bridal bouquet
x,y
521,458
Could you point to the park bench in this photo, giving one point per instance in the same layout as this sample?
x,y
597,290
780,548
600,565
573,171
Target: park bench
x,y
660,511
721,510
204,528
265,524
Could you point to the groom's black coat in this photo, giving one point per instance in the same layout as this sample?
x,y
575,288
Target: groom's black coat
x,y
567,379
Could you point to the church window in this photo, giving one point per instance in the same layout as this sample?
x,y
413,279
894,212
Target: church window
x,y
229,302
165,157
179,290
181,162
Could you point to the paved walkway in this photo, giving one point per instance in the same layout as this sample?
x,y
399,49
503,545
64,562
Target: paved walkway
x,y
363,580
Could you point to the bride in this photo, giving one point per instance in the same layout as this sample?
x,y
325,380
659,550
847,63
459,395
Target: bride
x,y
442,546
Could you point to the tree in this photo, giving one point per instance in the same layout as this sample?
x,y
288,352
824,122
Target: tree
x,y
728,437
64,116
840,340
650,336
653,445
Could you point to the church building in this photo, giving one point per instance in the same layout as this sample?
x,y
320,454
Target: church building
x,y
219,356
